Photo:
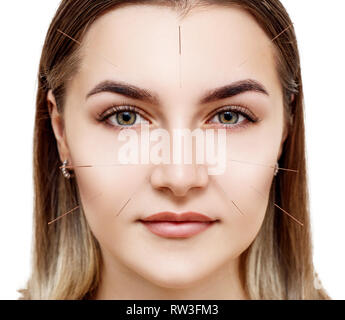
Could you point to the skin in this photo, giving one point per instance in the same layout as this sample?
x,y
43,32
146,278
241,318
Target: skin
x,y
137,263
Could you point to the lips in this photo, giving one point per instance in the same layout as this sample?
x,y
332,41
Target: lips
x,y
173,225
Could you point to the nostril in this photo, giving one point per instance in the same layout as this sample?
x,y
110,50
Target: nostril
x,y
178,179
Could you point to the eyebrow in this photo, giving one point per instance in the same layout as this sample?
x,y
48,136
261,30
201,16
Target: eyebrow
x,y
125,89
232,90
134,92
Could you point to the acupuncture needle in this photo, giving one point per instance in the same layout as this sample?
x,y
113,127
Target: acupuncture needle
x,y
287,213
72,210
226,196
263,165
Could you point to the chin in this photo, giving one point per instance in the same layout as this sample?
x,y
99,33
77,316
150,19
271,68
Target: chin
x,y
175,276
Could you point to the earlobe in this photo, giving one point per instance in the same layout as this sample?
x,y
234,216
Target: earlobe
x,y
57,126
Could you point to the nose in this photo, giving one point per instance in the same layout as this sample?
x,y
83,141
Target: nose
x,y
179,178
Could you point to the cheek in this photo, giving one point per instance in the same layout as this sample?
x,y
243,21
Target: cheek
x,y
247,190
104,192
104,184
247,181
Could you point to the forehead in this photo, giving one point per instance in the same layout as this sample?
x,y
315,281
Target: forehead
x,y
150,46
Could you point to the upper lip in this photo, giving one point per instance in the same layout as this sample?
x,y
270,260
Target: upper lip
x,y
184,216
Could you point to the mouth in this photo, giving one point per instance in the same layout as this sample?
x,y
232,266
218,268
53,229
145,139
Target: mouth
x,y
173,225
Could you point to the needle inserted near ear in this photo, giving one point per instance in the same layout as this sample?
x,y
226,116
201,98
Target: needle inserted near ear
x,y
72,210
275,167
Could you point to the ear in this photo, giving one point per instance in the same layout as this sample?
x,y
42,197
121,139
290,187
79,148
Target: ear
x,y
57,123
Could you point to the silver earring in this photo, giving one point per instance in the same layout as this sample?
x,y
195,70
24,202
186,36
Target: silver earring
x,y
64,170
276,169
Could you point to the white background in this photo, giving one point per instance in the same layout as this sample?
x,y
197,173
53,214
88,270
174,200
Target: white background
x,y
320,27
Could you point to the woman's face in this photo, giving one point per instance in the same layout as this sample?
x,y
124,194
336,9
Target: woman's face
x,y
144,47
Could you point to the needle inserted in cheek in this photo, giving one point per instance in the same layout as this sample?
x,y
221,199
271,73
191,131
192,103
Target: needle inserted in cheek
x,y
130,198
227,197
287,213
72,210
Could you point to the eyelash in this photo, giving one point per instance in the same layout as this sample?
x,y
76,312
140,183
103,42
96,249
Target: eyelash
x,y
115,109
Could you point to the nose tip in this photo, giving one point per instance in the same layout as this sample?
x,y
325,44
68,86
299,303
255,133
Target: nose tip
x,y
179,178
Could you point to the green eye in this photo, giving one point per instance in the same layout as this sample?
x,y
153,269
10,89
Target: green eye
x,y
228,117
126,118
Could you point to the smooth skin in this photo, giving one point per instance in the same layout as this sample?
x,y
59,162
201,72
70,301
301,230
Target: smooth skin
x,y
139,45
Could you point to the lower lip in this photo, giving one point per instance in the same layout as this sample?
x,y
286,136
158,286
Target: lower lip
x,y
169,229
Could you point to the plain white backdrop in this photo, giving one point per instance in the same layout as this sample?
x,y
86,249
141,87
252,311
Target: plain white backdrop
x,y
320,27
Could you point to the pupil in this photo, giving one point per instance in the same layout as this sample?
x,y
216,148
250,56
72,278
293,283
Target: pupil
x,y
126,117
228,116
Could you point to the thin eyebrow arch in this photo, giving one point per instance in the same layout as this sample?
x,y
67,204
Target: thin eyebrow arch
x,y
134,92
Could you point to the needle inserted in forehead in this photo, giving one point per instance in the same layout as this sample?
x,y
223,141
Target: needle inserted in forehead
x,y
79,43
279,34
288,214
180,68
69,37
263,165
226,196
272,40
179,39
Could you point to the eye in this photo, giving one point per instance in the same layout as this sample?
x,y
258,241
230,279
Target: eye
x,y
122,116
233,116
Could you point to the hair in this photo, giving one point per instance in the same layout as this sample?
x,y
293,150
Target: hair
x,y
67,260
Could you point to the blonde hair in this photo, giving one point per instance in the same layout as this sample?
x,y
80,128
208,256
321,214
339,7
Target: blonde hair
x,y
66,255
